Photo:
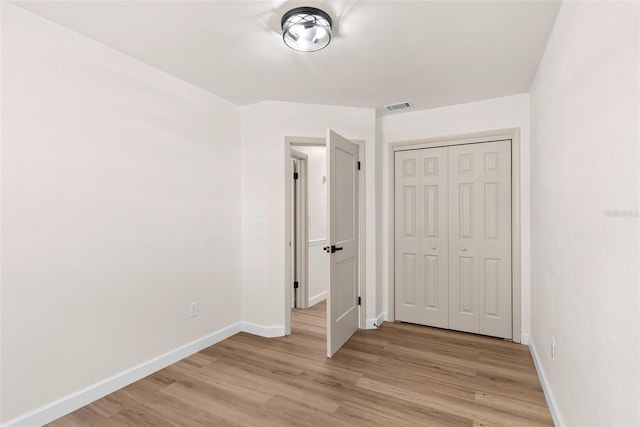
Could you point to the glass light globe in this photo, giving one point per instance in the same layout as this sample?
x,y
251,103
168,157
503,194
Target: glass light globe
x,y
306,29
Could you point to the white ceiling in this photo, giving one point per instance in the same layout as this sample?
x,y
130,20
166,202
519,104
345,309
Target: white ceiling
x,y
433,53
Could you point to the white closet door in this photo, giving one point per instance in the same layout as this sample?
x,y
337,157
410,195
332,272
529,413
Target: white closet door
x,y
480,238
421,244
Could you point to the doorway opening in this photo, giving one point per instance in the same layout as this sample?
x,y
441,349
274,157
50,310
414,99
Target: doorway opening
x,y
307,275
309,226
300,230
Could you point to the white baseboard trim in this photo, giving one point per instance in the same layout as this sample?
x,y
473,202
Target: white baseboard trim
x,y
524,339
317,298
61,407
548,394
261,330
375,323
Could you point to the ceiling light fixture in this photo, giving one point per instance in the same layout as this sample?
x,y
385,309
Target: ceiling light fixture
x,y
306,29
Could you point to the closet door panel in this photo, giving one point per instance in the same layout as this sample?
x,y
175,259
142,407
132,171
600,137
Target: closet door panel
x,y
480,238
421,243
496,285
464,250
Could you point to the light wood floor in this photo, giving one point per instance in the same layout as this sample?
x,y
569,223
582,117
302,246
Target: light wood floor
x,y
399,374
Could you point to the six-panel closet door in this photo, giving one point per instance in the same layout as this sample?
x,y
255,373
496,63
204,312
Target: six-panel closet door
x,y
453,237
421,263
480,238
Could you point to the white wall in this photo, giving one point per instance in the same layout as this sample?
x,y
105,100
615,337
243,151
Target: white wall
x,y
120,205
317,197
317,190
264,128
585,259
493,114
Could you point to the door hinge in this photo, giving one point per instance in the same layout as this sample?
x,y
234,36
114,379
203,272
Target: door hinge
x,y
295,285
295,175
359,300
358,165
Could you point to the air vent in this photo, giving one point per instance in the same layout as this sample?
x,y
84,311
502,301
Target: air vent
x,y
398,106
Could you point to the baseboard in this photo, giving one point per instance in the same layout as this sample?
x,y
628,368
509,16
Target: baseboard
x,y
261,330
375,323
546,387
524,339
61,407
317,298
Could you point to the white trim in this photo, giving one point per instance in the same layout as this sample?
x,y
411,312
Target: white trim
x,y
375,323
524,339
317,298
546,387
315,242
261,330
70,403
300,231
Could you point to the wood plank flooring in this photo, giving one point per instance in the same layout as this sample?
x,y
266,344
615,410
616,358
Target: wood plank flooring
x,y
397,375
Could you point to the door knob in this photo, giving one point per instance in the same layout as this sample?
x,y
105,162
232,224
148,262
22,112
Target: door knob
x,y
433,247
464,249
332,249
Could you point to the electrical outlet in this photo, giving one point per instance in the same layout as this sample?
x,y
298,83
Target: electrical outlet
x,y
553,348
193,309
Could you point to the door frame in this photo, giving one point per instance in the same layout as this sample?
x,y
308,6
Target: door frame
x,y
300,244
444,141
290,142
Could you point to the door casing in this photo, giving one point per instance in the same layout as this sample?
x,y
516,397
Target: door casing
x,y
445,141
290,142
299,241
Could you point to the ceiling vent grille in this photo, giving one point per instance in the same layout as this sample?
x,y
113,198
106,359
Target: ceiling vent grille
x,y
398,106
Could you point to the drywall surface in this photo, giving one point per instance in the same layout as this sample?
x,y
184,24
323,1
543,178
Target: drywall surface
x,y
120,205
317,199
492,114
264,128
585,225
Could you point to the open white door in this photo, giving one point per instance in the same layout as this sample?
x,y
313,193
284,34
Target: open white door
x,y
342,227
